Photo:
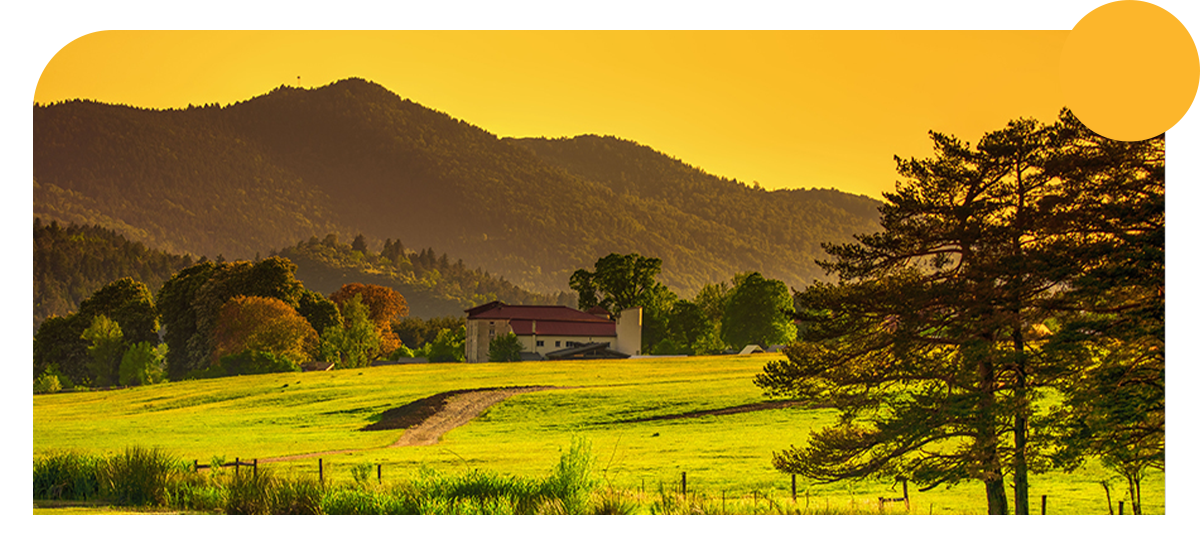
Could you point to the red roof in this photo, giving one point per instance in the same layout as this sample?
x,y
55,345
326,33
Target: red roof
x,y
551,320
564,328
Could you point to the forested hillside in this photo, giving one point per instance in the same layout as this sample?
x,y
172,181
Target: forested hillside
x,y
433,285
353,157
72,262
764,227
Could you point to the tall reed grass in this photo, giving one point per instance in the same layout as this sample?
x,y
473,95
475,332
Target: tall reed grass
x,y
141,477
149,478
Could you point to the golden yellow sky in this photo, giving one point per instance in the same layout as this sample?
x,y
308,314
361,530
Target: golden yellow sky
x,y
787,109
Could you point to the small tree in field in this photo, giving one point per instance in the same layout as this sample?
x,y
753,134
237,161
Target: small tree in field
x,y
505,348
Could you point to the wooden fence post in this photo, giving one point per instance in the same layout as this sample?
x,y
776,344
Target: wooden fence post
x,y
1043,504
320,470
255,467
793,487
684,484
195,465
379,473
237,462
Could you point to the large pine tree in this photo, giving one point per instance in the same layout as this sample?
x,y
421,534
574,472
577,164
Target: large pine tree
x,y
932,343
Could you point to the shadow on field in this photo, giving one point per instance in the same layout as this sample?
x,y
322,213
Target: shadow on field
x,y
746,408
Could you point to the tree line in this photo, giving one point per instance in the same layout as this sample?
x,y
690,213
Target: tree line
x,y
750,309
70,262
215,319
434,285
1007,320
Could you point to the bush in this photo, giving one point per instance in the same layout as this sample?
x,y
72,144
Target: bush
x,y
250,362
505,348
67,475
572,482
401,352
142,364
140,476
297,497
449,346
46,384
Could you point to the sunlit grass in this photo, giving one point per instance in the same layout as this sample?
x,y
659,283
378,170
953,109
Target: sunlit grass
x,y
724,456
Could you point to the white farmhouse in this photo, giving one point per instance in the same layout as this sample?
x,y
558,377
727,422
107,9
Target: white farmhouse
x,y
554,332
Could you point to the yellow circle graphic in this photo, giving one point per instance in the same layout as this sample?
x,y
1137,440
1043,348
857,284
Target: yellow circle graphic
x,y
1129,70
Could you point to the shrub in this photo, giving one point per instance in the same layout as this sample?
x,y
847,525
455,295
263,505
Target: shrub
x,y
140,476
142,364
363,473
505,348
46,384
248,494
297,497
572,481
614,502
401,352
66,475
250,362
351,501
449,346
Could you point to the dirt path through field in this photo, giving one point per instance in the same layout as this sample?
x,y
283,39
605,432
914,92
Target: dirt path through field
x,y
457,411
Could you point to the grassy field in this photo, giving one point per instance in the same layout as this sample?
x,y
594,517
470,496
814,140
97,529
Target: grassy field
x,y
603,402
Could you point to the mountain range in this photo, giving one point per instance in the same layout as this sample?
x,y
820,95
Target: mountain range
x,y
352,157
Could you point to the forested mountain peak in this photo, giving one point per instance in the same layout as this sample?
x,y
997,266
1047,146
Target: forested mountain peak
x,y
354,157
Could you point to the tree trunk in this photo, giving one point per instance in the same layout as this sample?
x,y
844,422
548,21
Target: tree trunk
x,y
1020,429
993,477
1021,419
997,502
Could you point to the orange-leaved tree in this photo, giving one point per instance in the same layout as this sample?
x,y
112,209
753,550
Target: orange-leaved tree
x,y
266,325
384,304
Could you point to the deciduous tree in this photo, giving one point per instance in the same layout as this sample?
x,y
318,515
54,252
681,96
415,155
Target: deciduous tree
x,y
265,325
105,350
617,282
190,303
354,343
384,305
125,301
142,364
757,311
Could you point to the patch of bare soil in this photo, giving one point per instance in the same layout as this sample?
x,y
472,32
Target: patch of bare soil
x,y
777,404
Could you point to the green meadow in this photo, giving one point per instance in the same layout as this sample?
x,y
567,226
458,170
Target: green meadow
x,y
605,403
